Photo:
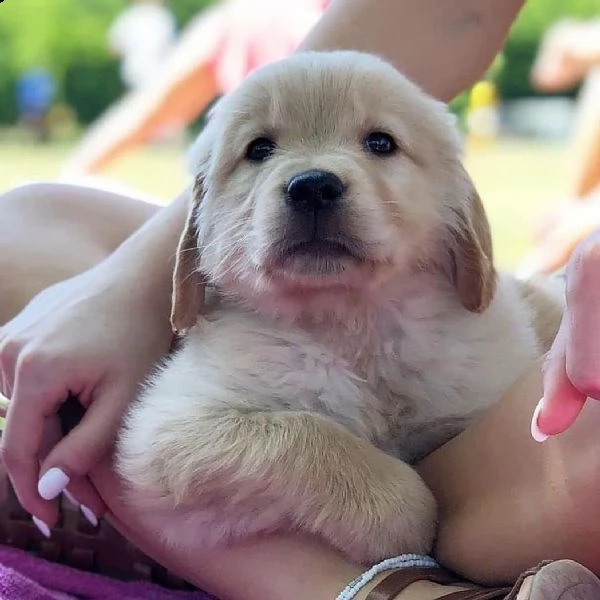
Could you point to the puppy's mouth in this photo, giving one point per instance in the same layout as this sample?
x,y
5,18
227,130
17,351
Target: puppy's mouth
x,y
318,257
318,249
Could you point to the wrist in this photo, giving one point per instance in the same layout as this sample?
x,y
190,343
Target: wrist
x,y
141,268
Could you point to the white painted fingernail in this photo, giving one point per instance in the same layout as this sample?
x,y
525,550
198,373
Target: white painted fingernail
x,y
43,528
70,498
89,515
53,483
536,434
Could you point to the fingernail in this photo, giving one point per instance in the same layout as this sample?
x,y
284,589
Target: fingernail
x,y
536,434
70,498
89,515
53,483
43,528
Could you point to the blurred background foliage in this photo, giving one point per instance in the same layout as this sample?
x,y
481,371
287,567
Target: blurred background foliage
x,y
69,38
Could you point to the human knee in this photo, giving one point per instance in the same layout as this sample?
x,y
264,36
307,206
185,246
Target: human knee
x,y
101,218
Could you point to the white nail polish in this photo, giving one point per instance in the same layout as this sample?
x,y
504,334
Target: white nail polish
x,y
52,483
89,515
536,434
70,498
43,528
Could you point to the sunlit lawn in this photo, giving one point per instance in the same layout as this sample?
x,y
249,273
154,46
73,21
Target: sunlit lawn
x,y
515,178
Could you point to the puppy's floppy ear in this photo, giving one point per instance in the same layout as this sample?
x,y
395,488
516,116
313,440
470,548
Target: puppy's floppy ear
x,y
188,283
469,248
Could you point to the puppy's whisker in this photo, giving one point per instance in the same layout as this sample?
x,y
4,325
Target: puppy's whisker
x,y
235,265
226,235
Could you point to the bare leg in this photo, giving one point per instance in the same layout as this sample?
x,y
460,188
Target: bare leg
x,y
50,232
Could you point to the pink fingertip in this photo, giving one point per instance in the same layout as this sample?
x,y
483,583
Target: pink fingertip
x,y
536,433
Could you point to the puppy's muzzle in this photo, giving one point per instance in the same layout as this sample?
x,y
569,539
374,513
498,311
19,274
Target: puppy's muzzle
x,y
314,191
317,238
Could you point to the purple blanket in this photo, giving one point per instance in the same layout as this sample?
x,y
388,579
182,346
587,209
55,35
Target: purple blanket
x,y
24,577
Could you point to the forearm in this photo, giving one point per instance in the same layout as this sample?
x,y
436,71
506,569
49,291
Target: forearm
x,y
507,502
443,46
143,264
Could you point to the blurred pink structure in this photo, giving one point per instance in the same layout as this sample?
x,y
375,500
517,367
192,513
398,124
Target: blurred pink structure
x,y
214,53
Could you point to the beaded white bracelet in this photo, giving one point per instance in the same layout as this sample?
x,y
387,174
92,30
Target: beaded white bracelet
x,y
403,562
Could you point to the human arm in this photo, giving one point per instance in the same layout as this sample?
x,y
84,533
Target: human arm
x,y
443,46
95,335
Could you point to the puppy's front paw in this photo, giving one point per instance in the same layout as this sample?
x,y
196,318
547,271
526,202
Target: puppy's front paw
x,y
144,453
389,512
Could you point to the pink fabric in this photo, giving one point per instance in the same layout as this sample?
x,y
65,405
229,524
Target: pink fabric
x,y
24,577
259,32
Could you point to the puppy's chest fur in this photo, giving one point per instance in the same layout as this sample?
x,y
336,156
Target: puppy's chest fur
x,y
408,377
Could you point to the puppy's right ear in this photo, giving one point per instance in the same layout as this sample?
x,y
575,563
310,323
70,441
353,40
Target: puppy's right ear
x,y
188,283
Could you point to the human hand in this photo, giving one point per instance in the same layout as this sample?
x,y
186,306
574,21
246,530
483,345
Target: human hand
x,y
94,336
571,374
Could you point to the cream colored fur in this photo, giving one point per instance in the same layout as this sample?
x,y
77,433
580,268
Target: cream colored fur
x,y
310,384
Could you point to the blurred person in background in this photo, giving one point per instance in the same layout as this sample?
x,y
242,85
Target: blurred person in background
x,y
142,35
35,94
569,54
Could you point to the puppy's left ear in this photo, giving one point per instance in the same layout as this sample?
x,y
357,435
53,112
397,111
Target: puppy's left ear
x,y
188,283
469,247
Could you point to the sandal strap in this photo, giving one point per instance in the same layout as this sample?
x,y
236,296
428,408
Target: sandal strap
x,y
399,579
490,594
529,573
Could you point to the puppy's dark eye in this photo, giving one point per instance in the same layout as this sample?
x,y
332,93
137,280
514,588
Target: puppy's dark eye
x,y
380,143
260,149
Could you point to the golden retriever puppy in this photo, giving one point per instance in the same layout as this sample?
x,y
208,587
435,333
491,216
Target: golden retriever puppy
x,y
358,321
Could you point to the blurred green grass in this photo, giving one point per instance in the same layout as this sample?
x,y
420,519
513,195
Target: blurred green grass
x,y
515,178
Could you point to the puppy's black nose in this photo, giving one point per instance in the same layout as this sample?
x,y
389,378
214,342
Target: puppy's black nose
x,y
314,190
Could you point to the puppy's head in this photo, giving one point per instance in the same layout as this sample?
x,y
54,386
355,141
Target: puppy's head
x,y
331,173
